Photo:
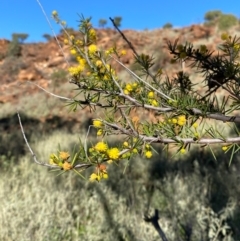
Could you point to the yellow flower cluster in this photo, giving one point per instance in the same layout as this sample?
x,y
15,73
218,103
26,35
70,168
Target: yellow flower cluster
x,y
92,35
100,173
131,88
76,71
92,49
97,124
180,120
101,147
151,99
111,153
225,148
61,160
183,151
148,153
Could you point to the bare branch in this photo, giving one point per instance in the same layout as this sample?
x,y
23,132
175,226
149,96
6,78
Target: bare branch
x,y
30,149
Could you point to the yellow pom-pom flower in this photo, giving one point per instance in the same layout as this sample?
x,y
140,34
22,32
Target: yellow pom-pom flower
x,y
113,153
183,151
99,132
97,124
224,148
123,52
66,166
94,177
151,94
101,147
92,48
195,125
182,120
148,154
64,155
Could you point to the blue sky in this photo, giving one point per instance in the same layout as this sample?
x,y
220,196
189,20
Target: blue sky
x,y
25,16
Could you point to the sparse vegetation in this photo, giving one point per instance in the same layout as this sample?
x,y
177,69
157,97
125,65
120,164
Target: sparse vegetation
x,y
118,21
102,23
224,21
167,25
47,36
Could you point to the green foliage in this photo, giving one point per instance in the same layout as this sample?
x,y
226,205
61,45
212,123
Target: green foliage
x,y
212,16
226,21
117,21
19,37
14,47
102,23
167,25
47,36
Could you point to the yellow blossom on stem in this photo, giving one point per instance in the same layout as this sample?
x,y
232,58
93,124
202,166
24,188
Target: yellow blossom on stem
x,y
65,41
196,134
151,94
154,103
73,51
92,48
101,147
66,166
123,52
174,120
76,70
98,63
53,159
92,34
94,177
113,153
99,132
135,150
81,61
195,125
148,154
125,144
64,155
183,151
181,120
97,123
224,148
129,87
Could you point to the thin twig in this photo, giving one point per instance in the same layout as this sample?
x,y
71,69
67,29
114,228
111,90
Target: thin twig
x,y
140,79
55,36
30,149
